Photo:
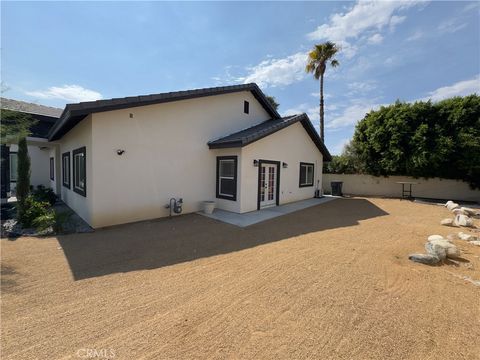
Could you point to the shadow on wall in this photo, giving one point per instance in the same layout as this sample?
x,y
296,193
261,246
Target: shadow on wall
x,y
163,242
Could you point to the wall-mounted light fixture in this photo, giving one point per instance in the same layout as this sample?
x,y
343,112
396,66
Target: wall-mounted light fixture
x,y
120,152
284,165
255,163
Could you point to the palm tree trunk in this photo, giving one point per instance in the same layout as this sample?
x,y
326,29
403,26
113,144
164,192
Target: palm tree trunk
x,y
322,124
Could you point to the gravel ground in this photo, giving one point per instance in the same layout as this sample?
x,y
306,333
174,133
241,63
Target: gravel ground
x,y
329,282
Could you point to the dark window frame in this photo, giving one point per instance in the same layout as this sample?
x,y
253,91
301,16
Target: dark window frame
x,y
300,175
246,107
66,155
10,166
82,150
235,160
52,168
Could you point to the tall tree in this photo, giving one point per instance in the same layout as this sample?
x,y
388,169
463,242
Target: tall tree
x,y
15,125
318,59
23,172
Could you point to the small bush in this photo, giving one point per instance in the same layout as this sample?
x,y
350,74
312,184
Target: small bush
x,y
44,221
32,209
45,194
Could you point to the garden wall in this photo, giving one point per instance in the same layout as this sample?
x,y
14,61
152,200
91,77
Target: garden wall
x,y
434,188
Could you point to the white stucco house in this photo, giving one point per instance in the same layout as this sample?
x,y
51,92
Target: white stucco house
x,y
122,160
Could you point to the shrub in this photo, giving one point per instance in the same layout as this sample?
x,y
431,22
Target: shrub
x,y
30,209
45,194
44,221
23,171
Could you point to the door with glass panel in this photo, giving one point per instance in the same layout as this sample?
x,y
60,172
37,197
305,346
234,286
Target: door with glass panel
x,y
268,185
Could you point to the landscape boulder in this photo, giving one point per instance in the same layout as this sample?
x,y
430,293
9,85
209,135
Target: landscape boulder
x,y
463,220
427,259
470,211
436,250
475,242
451,251
447,222
459,211
451,205
466,237
435,237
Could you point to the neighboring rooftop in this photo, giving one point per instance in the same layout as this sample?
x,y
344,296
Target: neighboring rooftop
x,y
74,113
259,131
30,108
45,116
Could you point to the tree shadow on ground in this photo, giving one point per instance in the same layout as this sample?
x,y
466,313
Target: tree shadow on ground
x,y
157,243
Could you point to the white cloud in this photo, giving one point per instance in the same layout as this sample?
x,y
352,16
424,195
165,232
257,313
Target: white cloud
x,y
361,87
352,114
461,88
451,26
73,93
363,17
277,72
375,39
311,111
471,6
416,35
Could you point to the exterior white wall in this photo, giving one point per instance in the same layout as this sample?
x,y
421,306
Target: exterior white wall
x,y
291,145
435,188
39,163
166,155
79,136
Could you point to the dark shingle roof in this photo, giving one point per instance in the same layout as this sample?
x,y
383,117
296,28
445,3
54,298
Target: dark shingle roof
x,y
46,116
74,113
259,131
30,108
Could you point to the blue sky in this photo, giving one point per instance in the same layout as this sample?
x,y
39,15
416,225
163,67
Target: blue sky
x,y
55,53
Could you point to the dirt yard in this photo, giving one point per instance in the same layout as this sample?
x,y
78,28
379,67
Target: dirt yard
x,y
329,282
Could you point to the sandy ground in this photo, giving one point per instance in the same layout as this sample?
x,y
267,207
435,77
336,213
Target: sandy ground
x,y
328,282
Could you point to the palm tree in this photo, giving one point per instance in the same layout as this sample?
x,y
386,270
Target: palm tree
x,y
318,58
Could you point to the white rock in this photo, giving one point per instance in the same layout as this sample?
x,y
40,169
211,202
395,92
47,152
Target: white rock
x,y
424,259
448,203
447,222
470,211
435,237
466,237
451,205
476,242
458,211
451,250
436,250
463,220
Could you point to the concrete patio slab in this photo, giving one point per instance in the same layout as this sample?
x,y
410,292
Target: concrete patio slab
x,y
254,217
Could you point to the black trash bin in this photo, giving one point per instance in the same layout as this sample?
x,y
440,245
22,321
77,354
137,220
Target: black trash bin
x,y
337,188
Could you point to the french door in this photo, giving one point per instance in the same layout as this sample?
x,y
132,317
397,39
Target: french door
x,y
268,176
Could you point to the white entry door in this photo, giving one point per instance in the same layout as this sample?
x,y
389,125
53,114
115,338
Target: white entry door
x,y
268,184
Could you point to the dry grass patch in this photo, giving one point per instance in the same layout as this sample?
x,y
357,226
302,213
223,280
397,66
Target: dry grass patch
x,y
328,282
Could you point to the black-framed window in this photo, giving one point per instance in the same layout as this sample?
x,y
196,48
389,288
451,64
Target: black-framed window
x,y
80,171
246,107
306,174
52,168
13,166
66,169
227,177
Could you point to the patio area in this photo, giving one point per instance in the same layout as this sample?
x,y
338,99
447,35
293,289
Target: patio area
x,y
254,217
